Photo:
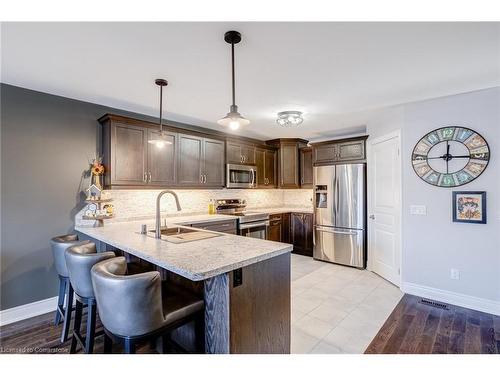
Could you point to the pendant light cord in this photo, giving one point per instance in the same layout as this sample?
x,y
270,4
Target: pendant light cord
x,y
161,109
232,63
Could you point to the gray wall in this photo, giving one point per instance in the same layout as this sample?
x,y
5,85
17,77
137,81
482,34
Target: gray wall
x,y
433,244
46,142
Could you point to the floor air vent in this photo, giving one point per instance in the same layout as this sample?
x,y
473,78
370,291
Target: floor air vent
x,y
439,305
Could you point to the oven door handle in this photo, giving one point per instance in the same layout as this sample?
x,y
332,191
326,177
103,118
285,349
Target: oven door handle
x,y
254,225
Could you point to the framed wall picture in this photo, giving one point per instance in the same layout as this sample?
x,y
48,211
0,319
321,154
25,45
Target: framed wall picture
x,y
469,207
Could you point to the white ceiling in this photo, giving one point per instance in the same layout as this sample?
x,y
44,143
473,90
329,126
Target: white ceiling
x,y
326,70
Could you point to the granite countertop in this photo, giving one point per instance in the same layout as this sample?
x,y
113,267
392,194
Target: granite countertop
x,y
196,260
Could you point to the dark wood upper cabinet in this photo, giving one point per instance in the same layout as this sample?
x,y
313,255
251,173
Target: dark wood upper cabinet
x,y
352,150
213,163
265,160
190,160
270,168
260,159
126,157
201,162
240,153
301,233
288,161
340,151
162,160
306,168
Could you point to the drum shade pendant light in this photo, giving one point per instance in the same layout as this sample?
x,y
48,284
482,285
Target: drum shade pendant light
x,y
233,119
161,140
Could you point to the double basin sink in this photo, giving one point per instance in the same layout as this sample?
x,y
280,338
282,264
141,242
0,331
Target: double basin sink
x,y
183,234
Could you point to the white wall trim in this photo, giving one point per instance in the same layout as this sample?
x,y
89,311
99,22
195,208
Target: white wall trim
x,y
463,300
29,310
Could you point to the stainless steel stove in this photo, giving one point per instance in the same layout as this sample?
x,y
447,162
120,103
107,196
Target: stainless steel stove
x,y
250,223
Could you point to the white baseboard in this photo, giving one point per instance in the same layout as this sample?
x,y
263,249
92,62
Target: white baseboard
x,y
29,310
463,300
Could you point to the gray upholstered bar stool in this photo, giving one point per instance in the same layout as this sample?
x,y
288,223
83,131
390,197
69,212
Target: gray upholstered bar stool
x,y
64,308
80,259
134,308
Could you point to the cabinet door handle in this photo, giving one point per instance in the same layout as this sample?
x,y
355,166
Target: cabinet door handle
x,y
205,178
149,175
145,177
201,178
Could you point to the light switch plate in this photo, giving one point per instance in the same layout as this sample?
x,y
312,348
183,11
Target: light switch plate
x,y
418,210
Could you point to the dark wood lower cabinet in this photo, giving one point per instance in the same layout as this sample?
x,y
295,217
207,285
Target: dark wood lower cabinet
x,y
301,233
294,228
275,232
285,227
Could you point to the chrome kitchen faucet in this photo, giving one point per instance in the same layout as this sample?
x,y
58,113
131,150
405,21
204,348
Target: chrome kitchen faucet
x,y
158,218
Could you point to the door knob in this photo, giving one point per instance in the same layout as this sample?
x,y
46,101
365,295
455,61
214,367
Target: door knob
x,y
372,217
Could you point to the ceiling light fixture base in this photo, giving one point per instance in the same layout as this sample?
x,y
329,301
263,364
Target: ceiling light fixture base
x,y
161,82
232,37
289,119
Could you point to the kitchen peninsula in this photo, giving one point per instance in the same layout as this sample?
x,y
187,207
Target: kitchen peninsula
x,y
245,281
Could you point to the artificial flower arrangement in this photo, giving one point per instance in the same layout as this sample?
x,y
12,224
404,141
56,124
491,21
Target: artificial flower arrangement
x,y
96,171
96,167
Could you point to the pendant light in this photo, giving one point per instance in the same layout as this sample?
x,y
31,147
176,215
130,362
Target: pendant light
x,y
161,140
233,119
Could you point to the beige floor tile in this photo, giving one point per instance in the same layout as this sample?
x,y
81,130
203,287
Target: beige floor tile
x,y
302,342
305,302
329,313
313,327
324,348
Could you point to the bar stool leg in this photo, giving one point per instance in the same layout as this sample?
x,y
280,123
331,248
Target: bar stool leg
x,y
129,347
77,326
108,344
68,307
60,301
91,316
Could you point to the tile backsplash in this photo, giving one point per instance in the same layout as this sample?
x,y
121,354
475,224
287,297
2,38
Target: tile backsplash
x,y
139,204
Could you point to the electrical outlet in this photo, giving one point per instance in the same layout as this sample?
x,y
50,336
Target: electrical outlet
x,y
454,274
418,210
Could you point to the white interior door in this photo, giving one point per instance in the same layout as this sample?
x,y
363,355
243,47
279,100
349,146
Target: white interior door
x,y
384,206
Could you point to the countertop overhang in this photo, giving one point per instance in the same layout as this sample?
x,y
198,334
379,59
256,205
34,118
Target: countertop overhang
x,y
196,260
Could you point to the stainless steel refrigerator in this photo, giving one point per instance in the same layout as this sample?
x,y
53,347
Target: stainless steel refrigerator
x,y
339,212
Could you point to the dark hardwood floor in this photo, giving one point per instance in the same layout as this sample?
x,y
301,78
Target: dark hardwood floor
x,y
417,328
38,335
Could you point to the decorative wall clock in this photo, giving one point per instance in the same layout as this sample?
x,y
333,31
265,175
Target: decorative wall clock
x,y
450,156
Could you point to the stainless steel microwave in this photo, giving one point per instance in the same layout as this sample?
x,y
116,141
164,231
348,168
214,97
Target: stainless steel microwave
x,y
241,176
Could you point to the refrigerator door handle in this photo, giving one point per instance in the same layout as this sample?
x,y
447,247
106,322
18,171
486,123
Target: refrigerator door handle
x,y
336,197
336,231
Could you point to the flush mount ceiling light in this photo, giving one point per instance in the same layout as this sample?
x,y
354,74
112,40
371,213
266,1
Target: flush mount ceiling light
x,y
289,119
233,119
161,140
